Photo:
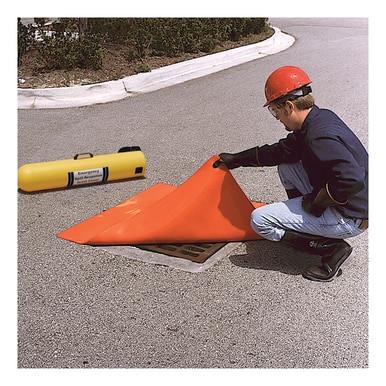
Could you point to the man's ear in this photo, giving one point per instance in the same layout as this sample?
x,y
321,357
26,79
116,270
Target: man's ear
x,y
289,106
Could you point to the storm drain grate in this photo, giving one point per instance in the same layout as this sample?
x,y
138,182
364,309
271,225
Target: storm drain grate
x,y
197,253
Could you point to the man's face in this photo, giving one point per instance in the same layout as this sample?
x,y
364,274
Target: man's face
x,y
283,114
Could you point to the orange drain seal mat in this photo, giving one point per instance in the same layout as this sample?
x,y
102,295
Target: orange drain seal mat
x,y
191,221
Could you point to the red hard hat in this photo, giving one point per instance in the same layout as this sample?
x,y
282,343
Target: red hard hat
x,y
284,80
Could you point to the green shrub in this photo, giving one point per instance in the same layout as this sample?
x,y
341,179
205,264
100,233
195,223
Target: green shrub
x,y
90,52
78,42
140,34
64,50
171,36
143,67
114,30
24,40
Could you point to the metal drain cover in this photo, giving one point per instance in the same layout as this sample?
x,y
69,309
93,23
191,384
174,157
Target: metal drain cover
x,y
198,253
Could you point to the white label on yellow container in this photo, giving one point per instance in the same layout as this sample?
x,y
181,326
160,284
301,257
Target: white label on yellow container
x,y
91,176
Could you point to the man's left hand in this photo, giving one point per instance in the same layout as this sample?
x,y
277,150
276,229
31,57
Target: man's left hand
x,y
316,205
311,207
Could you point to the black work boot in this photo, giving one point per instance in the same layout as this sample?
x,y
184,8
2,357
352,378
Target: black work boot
x,y
333,252
331,263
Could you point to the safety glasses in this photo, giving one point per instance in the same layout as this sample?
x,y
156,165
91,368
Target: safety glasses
x,y
273,111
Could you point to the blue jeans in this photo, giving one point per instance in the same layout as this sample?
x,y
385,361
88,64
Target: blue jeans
x,y
271,221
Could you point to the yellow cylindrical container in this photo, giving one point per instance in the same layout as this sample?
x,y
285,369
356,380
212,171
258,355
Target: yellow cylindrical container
x,y
83,169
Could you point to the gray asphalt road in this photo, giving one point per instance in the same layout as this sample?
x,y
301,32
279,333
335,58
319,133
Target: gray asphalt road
x,y
79,307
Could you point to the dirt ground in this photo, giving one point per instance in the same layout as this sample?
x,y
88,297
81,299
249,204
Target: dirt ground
x,y
115,65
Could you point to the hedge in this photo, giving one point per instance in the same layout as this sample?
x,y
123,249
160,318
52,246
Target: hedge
x,y
79,42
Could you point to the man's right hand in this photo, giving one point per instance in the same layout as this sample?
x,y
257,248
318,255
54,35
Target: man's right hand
x,y
228,160
232,161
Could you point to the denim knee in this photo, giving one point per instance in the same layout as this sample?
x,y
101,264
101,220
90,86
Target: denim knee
x,y
265,228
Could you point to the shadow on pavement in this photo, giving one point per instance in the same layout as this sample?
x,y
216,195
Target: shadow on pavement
x,y
272,256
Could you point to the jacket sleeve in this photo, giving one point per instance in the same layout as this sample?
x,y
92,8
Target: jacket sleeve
x,y
345,176
285,151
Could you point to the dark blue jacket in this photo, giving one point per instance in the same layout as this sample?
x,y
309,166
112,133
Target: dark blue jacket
x,y
332,156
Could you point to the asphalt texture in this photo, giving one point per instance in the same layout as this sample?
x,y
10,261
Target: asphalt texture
x,y
83,307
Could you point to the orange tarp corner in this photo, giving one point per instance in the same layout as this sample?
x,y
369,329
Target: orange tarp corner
x,y
208,207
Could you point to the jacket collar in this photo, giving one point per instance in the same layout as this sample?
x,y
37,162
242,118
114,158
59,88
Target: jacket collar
x,y
309,118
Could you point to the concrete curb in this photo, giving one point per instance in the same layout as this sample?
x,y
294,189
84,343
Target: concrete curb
x,y
76,96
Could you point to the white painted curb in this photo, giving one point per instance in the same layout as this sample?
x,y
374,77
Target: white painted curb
x,y
46,98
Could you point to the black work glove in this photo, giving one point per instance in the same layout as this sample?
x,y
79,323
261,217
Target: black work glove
x,y
232,161
317,204
309,205
227,159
